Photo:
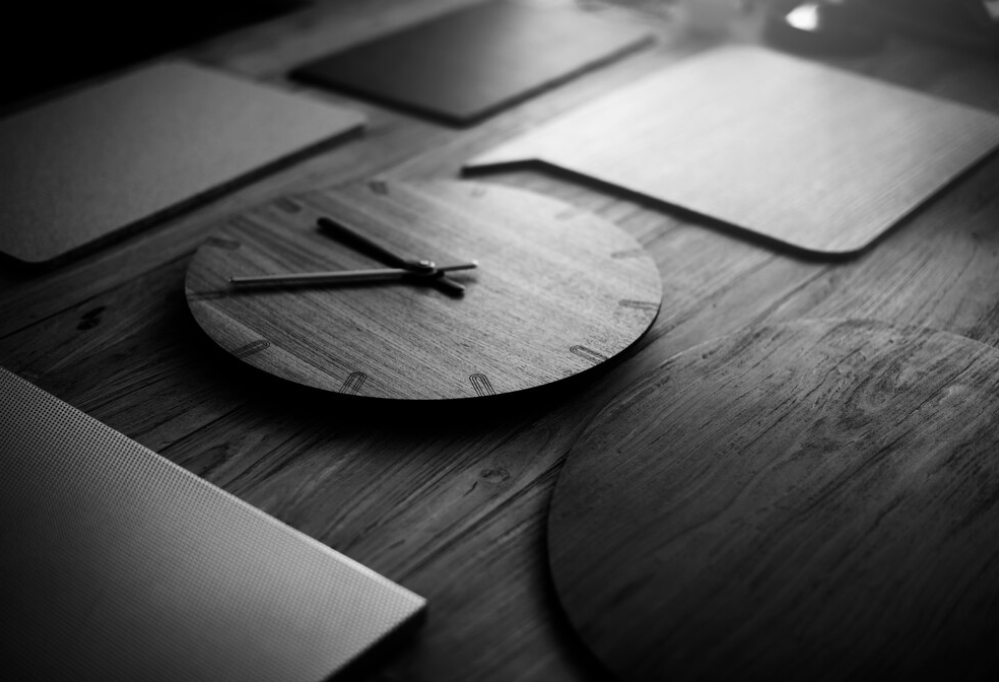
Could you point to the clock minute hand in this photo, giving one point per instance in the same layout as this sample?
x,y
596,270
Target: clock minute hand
x,y
347,276
415,265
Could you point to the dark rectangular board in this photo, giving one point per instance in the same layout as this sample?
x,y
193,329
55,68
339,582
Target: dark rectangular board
x,y
473,62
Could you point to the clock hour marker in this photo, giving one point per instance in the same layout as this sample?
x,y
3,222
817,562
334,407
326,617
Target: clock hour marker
x,y
206,295
251,348
480,382
246,223
353,383
221,243
588,354
638,305
630,253
287,205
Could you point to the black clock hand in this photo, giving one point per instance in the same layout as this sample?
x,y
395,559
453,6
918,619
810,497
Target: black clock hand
x,y
414,265
349,276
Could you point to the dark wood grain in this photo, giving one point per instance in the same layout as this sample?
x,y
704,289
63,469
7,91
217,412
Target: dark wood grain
x,y
452,504
814,500
846,160
557,291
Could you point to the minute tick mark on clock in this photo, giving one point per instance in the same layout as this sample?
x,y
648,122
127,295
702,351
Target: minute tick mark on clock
x,y
353,383
206,295
481,384
221,243
251,348
287,205
588,354
638,305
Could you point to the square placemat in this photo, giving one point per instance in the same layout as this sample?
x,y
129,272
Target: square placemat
x,y
798,152
83,168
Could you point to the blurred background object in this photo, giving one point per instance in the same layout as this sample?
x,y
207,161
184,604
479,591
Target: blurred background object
x,y
861,26
825,26
833,26
49,45
972,24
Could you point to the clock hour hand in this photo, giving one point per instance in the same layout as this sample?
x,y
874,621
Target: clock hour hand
x,y
350,276
414,265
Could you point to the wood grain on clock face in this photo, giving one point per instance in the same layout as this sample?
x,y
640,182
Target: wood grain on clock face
x,y
557,291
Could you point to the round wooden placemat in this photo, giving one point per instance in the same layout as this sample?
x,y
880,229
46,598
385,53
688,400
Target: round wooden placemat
x,y
811,501
557,292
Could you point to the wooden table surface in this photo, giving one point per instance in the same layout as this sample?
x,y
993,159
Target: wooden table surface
x,y
451,502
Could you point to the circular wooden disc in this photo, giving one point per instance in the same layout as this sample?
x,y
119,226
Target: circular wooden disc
x,y
557,291
813,501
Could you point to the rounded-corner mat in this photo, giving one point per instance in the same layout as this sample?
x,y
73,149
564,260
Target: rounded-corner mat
x,y
100,161
810,500
799,152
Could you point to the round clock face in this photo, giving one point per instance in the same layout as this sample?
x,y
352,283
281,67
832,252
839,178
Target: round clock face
x,y
555,292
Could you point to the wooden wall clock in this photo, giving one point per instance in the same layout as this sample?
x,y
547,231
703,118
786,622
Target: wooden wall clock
x,y
556,290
